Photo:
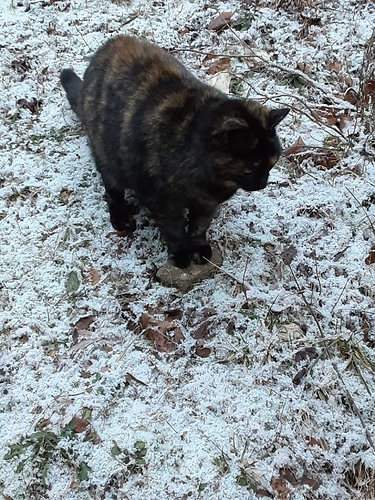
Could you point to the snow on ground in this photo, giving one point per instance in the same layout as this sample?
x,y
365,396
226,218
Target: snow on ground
x,y
283,405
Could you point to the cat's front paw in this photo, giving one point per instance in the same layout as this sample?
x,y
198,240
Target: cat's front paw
x,y
122,222
202,253
182,258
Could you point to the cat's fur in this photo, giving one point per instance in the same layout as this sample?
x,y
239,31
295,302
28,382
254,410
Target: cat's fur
x,y
175,142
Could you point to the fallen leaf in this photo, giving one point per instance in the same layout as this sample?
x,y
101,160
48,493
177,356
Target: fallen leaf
x,y
302,66
290,331
222,64
202,330
338,255
299,152
314,485
332,116
164,333
306,353
220,21
288,474
278,485
132,326
351,96
256,57
64,195
129,377
202,352
365,325
80,424
296,148
84,322
261,492
370,259
174,313
21,67
310,441
184,279
369,91
72,283
288,254
334,66
33,106
94,275
299,376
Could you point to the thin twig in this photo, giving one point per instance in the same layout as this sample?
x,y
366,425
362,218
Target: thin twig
x,y
226,272
365,212
337,301
334,365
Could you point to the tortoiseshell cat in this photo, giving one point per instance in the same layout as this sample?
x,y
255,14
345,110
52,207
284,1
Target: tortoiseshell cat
x,y
175,142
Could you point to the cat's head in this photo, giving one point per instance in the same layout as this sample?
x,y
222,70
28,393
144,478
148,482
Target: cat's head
x,y
246,144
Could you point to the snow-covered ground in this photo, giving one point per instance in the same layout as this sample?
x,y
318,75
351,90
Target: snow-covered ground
x,y
271,390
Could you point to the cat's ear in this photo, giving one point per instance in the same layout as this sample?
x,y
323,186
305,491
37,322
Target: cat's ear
x,y
276,116
235,132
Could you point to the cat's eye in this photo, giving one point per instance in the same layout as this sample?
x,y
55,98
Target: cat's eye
x,y
250,169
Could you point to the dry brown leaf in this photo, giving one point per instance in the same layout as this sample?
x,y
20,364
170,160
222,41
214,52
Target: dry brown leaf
x,y
310,441
296,148
304,67
334,66
164,333
84,323
220,21
288,254
351,96
174,314
365,325
314,485
65,195
288,474
129,377
94,275
369,90
202,330
305,353
299,376
33,105
202,352
370,259
332,117
261,492
278,485
222,64
221,81
21,66
300,152
207,58
80,424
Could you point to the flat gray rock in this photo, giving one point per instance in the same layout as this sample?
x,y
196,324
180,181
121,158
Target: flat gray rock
x,y
184,279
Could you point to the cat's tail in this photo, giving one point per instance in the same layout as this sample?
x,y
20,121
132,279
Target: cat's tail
x,y
72,85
